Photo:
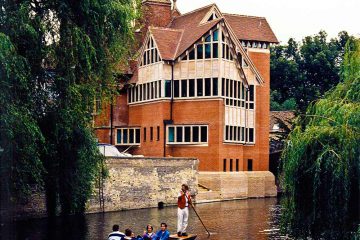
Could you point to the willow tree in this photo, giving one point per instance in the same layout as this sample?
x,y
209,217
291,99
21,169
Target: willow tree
x,y
66,55
321,162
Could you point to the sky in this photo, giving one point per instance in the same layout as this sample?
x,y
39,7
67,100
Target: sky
x,y
292,18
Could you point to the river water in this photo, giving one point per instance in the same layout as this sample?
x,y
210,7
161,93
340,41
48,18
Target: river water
x,y
240,219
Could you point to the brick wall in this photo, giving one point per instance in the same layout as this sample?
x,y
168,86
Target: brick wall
x,y
102,119
156,14
262,63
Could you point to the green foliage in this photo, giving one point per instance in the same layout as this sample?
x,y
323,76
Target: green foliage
x,y
63,54
21,138
321,162
287,105
306,71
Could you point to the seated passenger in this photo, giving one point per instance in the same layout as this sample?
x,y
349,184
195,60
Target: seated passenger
x,y
129,235
116,235
149,234
162,234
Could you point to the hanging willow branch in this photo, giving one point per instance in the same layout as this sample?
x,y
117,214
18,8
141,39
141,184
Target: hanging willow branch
x,y
321,165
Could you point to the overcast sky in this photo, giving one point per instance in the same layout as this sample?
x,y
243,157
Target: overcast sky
x,y
290,18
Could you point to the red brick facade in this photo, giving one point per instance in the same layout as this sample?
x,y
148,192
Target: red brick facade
x,y
150,116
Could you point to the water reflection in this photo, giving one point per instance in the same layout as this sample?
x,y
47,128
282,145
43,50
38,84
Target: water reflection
x,y
242,219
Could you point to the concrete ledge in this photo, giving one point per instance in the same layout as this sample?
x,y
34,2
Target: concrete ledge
x,y
236,185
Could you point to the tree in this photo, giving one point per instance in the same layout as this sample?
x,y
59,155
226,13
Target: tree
x,y
20,135
321,163
305,72
65,54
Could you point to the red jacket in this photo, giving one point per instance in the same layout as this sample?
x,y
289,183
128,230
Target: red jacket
x,y
182,200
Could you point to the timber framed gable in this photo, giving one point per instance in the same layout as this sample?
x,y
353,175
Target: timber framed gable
x,y
213,14
149,52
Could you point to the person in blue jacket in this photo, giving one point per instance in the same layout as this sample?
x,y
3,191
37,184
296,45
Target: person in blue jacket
x,y
162,234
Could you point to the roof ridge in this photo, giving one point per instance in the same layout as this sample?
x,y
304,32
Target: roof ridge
x,y
167,28
195,10
242,15
178,44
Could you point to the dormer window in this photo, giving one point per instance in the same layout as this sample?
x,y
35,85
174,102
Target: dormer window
x,y
151,54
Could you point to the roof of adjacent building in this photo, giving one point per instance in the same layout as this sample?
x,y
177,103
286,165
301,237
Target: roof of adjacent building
x,y
251,28
283,118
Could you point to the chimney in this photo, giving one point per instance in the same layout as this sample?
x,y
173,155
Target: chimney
x,y
175,11
156,13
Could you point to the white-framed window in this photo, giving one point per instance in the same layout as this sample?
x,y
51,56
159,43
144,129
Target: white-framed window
x,y
189,88
128,136
144,92
226,48
244,63
239,134
151,54
187,134
212,17
207,48
250,97
236,94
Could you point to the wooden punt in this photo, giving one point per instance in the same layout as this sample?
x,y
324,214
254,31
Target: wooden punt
x,y
189,237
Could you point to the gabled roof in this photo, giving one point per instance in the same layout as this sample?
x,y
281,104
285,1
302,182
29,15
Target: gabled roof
x,y
192,34
187,20
167,41
193,30
251,28
185,30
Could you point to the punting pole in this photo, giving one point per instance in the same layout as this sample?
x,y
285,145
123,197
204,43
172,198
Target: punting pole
x,y
198,215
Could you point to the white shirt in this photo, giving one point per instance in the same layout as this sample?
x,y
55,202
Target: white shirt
x,y
116,235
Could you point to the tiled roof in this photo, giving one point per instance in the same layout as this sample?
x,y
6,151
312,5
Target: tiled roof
x,y
185,30
167,41
283,118
191,35
251,28
193,30
188,20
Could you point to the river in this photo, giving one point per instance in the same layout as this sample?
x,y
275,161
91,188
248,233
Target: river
x,y
240,219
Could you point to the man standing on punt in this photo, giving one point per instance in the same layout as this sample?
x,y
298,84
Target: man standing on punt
x,y
184,199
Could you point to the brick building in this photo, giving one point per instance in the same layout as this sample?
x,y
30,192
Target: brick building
x,y
200,89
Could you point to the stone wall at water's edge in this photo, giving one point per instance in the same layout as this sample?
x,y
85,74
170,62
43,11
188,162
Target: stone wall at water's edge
x,y
144,182
132,183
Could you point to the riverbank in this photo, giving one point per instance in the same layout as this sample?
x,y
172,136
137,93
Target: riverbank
x,y
136,183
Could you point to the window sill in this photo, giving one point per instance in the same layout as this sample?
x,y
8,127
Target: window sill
x,y
188,144
238,143
127,144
